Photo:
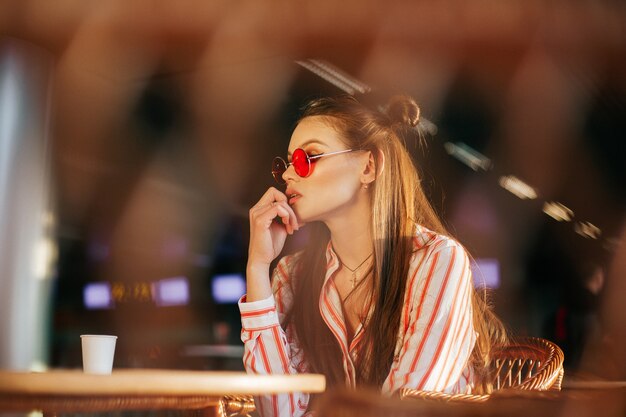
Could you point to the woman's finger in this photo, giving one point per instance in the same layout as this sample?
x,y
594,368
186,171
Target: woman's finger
x,y
271,195
285,217
274,198
293,220
266,215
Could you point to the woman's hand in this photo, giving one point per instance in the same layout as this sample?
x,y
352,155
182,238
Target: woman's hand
x,y
267,236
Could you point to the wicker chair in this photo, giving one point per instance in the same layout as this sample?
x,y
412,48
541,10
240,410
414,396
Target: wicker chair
x,y
527,364
236,406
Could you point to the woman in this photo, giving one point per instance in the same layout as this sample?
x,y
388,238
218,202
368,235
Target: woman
x,y
380,296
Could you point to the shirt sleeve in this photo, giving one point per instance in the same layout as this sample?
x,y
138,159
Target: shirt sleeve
x,y
267,347
439,336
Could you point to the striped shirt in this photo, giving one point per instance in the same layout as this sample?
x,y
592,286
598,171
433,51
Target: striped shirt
x,y
435,338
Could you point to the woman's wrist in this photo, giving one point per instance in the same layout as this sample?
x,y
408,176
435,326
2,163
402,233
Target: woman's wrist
x,y
258,281
258,268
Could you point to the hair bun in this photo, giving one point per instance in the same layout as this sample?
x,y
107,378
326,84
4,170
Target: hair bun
x,y
403,109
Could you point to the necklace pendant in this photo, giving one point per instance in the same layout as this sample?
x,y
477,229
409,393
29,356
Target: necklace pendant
x,y
354,271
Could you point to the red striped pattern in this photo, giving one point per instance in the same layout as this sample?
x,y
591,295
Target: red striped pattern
x,y
435,339
258,313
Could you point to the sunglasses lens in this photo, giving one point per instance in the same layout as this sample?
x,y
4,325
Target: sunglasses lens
x,y
278,169
300,162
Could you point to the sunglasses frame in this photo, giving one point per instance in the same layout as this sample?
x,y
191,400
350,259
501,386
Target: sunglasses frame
x,y
278,175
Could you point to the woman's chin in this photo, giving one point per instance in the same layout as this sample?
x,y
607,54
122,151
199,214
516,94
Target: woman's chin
x,y
300,217
303,217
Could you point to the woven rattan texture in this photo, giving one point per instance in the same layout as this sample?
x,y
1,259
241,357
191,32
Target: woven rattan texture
x,y
527,364
236,406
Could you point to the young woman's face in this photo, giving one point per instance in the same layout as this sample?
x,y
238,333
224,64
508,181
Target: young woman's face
x,y
332,188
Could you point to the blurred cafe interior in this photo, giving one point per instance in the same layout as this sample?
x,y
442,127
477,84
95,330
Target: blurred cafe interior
x,y
135,136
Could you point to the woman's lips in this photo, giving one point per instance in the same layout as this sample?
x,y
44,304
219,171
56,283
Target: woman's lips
x,y
293,198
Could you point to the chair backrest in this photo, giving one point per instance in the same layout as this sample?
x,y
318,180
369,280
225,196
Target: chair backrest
x,y
528,364
236,406
525,364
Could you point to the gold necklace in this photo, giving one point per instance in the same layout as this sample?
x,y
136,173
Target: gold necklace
x,y
354,271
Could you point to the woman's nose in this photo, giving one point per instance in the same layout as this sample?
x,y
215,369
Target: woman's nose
x,y
289,173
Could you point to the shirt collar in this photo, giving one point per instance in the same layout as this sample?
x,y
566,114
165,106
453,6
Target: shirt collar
x,y
332,261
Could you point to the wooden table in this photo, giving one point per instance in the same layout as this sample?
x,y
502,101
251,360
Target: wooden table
x,y
596,402
140,389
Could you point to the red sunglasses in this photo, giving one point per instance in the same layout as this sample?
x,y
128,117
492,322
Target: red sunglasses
x,y
301,161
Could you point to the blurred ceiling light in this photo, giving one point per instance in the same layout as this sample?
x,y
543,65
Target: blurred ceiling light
x,y
335,76
518,187
558,211
587,230
470,157
426,126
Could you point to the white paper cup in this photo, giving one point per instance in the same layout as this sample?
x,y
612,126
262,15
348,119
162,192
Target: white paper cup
x,y
98,352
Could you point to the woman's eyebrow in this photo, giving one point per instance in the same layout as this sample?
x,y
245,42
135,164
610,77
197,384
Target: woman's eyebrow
x,y
309,142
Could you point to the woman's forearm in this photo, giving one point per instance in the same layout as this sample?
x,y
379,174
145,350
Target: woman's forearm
x,y
258,286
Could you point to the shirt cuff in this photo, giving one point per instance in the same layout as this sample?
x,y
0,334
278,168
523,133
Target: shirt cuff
x,y
257,315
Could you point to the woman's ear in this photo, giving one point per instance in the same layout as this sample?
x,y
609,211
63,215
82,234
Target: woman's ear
x,y
374,166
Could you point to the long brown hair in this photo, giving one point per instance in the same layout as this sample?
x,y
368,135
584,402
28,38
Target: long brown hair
x,y
398,203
